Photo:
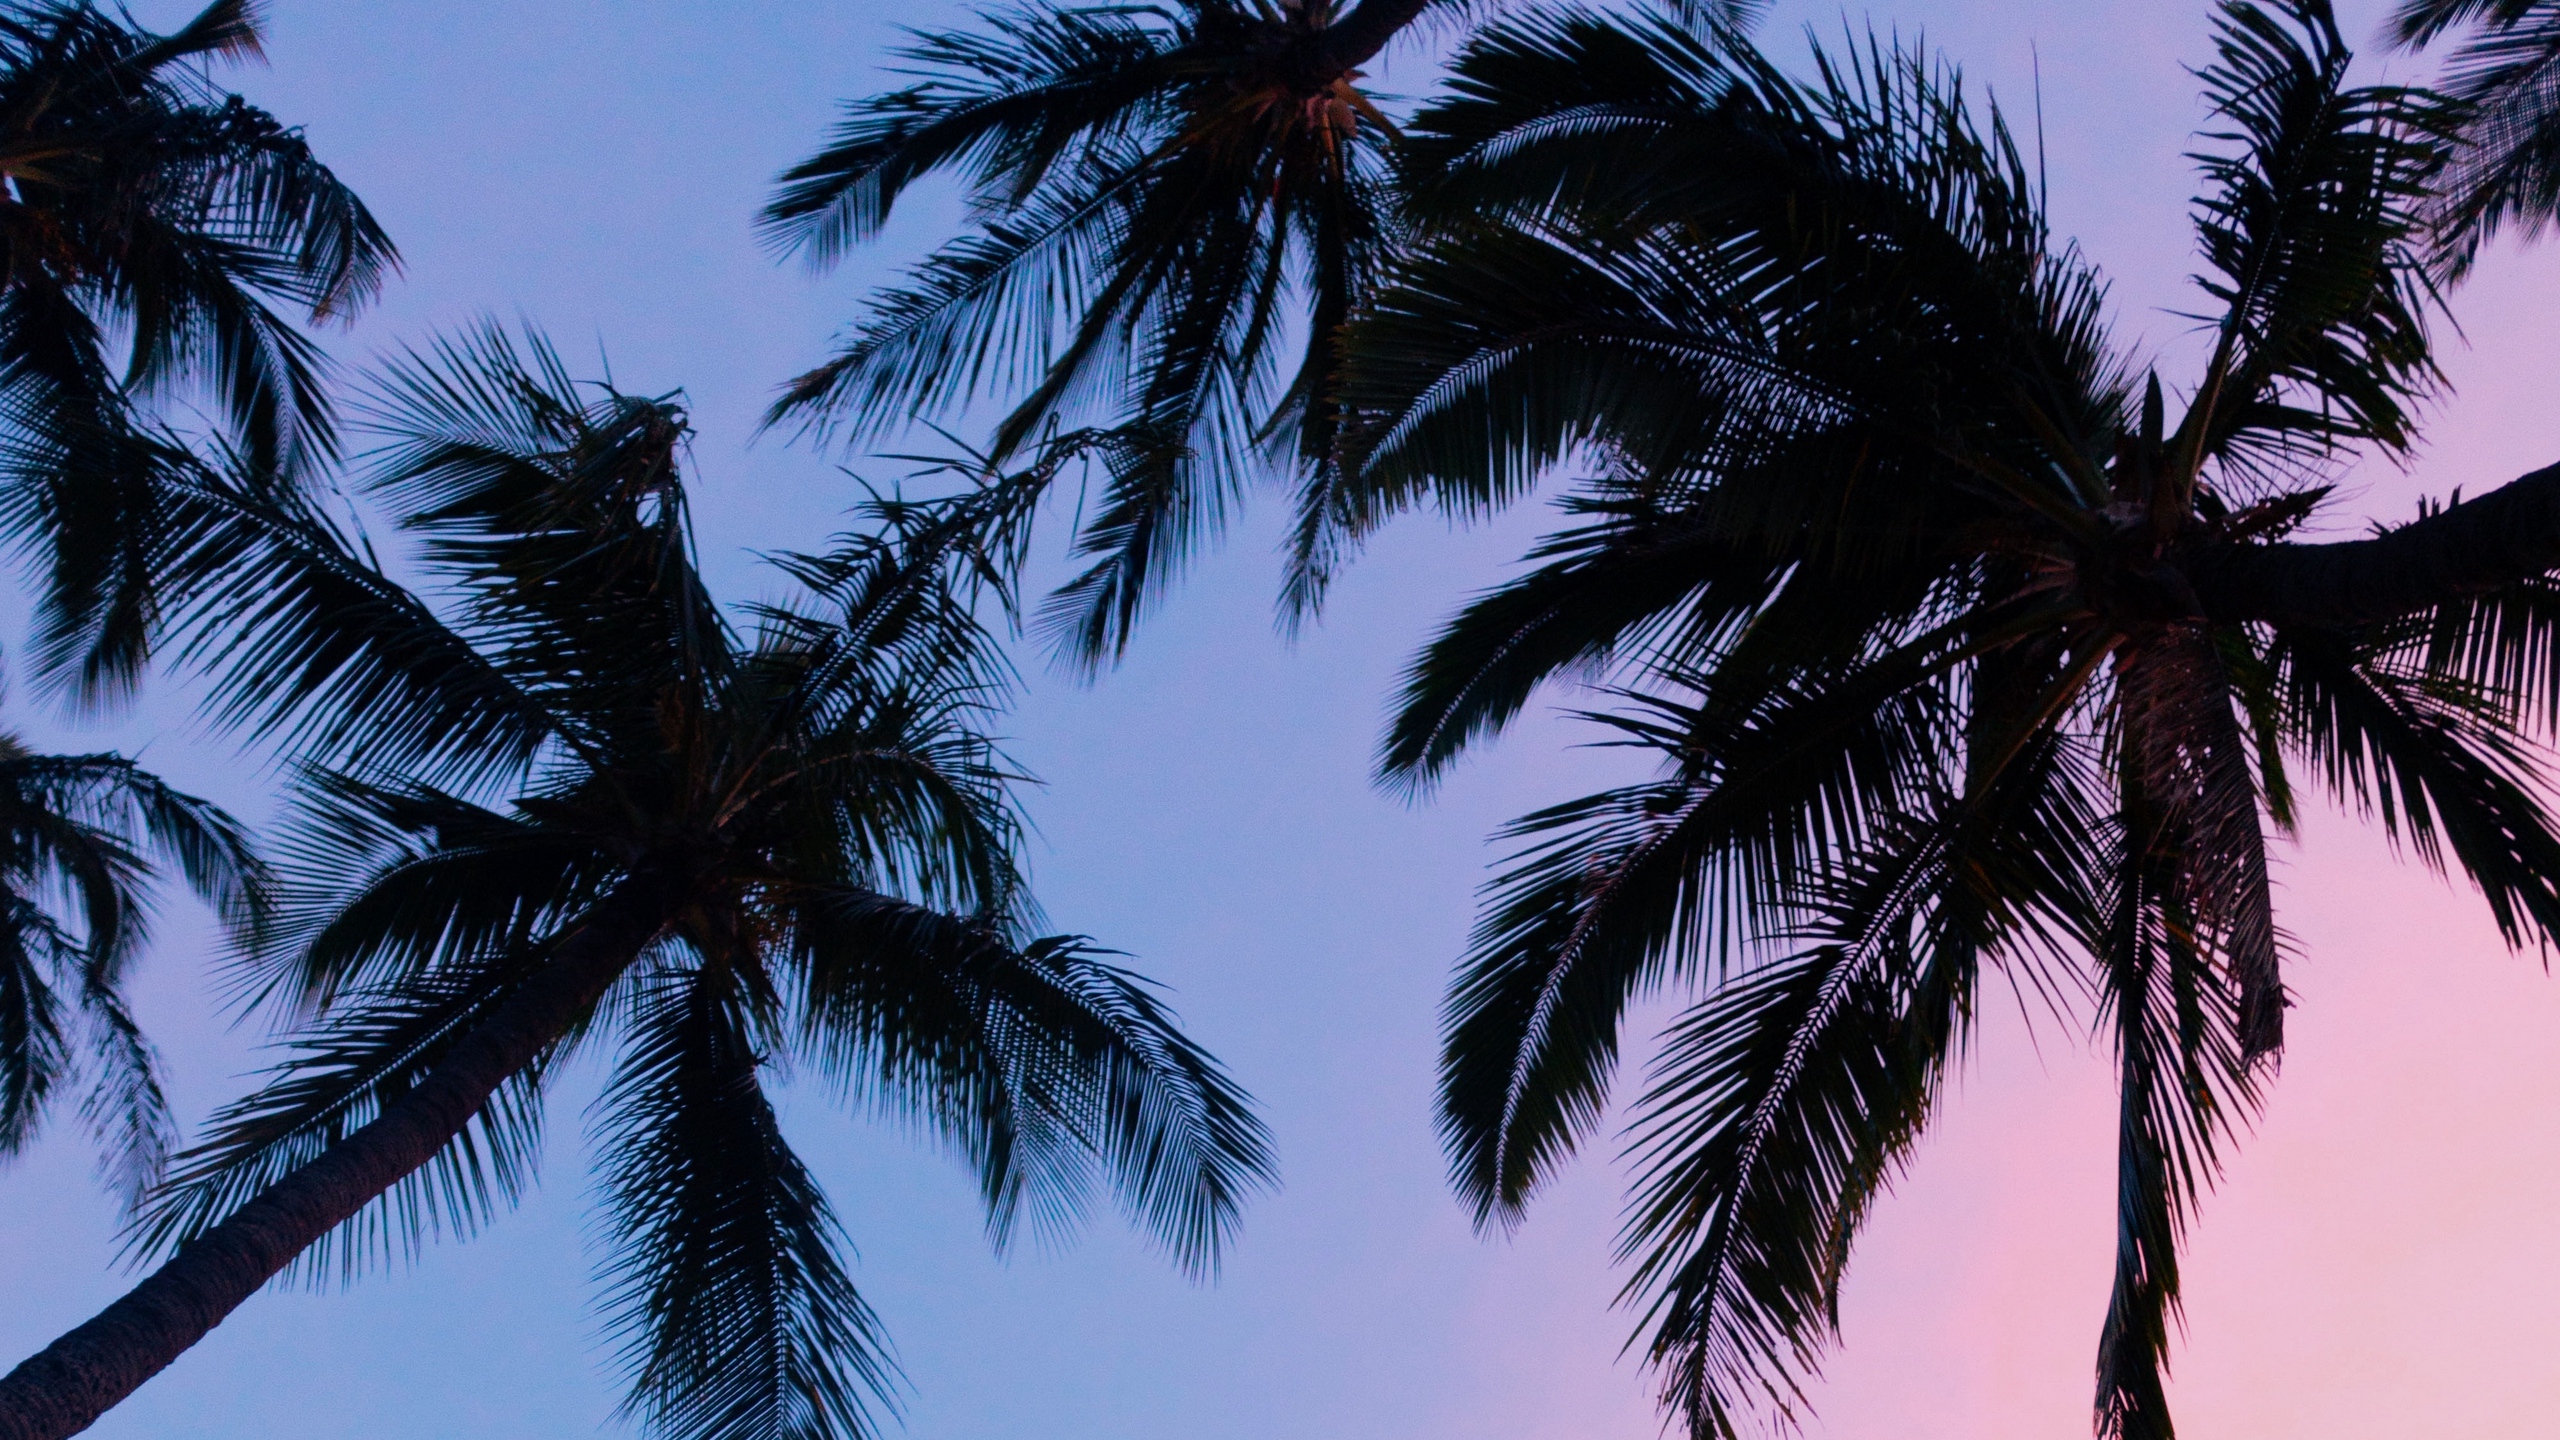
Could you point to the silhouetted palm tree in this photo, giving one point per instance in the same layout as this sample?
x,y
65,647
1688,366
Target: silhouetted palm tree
x,y
77,837
1175,212
696,854
1161,190
1966,651
149,223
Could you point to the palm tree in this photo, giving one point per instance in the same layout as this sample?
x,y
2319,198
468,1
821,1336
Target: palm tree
x,y
77,836
150,225
694,854
1158,190
2506,171
1966,651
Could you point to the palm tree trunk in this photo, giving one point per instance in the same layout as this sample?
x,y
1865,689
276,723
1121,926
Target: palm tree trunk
x,y
77,1378
2510,534
1350,42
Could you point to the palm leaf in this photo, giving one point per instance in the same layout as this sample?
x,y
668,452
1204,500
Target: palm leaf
x,y
308,643
2505,171
735,1316
1639,885
2310,225
1037,1061
2427,758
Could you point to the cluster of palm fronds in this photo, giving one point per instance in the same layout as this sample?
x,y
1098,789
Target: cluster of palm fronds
x,y
1970,645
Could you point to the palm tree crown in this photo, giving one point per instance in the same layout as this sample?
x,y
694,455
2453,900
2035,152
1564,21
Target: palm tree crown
x,y
1163,192
698,855
1967,651
143,211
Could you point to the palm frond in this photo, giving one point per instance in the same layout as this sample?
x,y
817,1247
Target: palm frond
x,y
2310,224
33,1050
79,833
979,315
560,514
2426,756
898,598
2503,645
2505,169
127,1107
309,644
78,493
1039,1061
2185,746
1043,86
1757,291
1153,192
228,28
734,1313
212,850
151,210
2185,1082
1783,1103
1604,589
393,883
1638,885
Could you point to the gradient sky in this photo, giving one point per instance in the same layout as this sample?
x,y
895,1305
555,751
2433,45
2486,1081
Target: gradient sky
x,y
2378,1262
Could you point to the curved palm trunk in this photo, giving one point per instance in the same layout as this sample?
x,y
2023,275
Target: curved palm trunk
x,y
2484,544
1356,38
77,1378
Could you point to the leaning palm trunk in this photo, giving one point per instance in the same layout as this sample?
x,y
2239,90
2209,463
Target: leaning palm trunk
x,y
65,1387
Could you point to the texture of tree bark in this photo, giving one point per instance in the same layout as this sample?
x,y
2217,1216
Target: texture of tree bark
x,y
2483,544
66,1386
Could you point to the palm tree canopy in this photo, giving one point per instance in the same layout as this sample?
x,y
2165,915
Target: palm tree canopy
x,y
77,837
152,227
814,831
1171,200
1955,632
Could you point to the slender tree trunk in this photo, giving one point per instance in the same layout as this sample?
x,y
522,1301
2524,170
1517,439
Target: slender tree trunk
x,y
77,1378
1353,40
2483,544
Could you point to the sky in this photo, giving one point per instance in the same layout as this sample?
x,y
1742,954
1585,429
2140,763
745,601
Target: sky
x,y
2376,1263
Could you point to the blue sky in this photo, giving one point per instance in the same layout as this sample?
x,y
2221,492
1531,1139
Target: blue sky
x,y
593,165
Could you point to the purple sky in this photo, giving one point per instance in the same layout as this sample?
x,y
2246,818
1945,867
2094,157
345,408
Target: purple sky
x,y
2377,1264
